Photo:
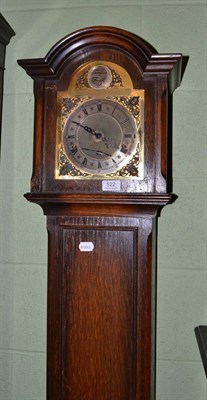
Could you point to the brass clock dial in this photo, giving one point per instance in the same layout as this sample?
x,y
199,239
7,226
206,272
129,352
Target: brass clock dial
x,y
100,136
100,125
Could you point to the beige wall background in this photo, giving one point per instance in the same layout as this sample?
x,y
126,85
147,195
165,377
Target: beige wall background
x,y
170,26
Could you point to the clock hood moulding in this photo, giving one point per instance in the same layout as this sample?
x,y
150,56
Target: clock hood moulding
x,y
59,101
146,56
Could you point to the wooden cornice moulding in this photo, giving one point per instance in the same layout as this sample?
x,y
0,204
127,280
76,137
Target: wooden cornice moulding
x,y
169,65
149,60
136,199
134,205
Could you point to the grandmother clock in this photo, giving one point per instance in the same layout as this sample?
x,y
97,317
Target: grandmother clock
x,y
102,173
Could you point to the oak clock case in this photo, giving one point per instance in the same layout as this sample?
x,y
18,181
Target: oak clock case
x,y
102,174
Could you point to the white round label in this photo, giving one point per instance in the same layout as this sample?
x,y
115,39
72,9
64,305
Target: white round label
x,y
86,246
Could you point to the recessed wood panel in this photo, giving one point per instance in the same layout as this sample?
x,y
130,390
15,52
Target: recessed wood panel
x,y
98,314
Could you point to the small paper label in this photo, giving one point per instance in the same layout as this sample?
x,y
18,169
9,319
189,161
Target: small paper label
x,y
111,186
86,246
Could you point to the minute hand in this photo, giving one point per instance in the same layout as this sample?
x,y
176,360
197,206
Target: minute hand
x,y
89,130
108,142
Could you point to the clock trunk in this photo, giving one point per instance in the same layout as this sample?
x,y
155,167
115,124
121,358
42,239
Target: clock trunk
x,y
101,346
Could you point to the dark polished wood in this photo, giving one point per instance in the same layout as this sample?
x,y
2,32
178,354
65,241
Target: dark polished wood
x,y
201,336
6,32
101,304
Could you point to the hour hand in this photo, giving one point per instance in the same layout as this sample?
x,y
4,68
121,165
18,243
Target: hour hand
x,y
108,142
97,152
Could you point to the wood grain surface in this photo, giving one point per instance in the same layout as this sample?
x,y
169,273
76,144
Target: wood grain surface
x,y
98,331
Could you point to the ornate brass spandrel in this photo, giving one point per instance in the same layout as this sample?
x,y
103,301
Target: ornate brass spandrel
x,y
67,105
66,168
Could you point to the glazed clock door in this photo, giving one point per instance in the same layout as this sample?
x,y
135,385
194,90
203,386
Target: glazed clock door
x,y
100,128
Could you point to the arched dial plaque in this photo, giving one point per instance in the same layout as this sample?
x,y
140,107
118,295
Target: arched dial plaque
x,y
102,173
